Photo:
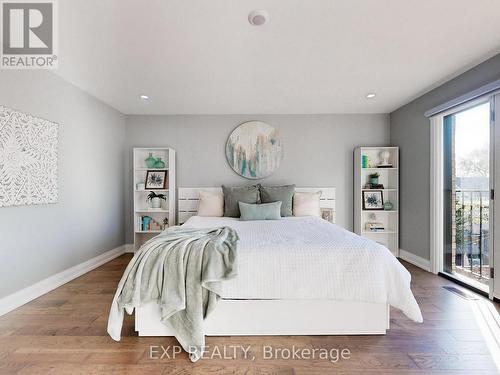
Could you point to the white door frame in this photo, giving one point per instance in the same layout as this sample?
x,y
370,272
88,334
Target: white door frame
x,y
436,194
495,203
437,187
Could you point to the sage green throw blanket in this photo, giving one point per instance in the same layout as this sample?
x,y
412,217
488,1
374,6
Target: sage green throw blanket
x,y
181,269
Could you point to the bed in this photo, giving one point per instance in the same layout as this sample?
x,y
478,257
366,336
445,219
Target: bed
x,y
298,276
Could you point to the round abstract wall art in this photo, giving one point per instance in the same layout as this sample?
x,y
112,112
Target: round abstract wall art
x,y
254,150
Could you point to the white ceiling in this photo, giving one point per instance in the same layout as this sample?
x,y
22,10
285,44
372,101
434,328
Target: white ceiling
x,y
316,56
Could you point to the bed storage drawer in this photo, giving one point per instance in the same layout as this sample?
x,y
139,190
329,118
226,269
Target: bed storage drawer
x,y
279,317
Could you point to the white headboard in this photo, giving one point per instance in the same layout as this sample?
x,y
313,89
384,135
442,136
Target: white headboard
x,y
188,199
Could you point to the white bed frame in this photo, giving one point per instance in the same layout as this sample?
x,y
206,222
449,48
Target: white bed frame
x,y
273,317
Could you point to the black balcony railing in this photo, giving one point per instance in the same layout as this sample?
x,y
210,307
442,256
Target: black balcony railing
x,y
472,213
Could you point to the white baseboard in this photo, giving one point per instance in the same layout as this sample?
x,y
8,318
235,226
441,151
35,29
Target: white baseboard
x,y
425,264
129,248
23,296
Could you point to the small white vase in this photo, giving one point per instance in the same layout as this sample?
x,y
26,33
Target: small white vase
x,y
156,202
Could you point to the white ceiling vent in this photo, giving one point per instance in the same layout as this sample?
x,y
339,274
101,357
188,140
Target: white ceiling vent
x,y
258,17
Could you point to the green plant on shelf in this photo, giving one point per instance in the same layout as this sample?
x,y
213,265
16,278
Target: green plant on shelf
x,y
152,195
155,199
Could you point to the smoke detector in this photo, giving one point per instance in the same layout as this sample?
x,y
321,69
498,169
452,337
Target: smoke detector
x,y
258,17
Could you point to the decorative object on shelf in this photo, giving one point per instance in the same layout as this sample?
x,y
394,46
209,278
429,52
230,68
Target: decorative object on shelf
x,y
327,214
156,180
159,164
155,199
374,227
373,186
254,150
374,178
145,223
373,200
155,226
28,159
165,222
364,161
148,224
150,161
385,155
140,186
388,206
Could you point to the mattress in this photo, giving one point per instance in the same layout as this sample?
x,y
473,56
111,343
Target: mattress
x,y
310,258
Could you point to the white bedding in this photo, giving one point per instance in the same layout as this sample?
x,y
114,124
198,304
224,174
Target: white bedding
x,y
310,258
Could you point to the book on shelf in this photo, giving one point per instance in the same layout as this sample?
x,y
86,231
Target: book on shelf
x,y
146,223
374,227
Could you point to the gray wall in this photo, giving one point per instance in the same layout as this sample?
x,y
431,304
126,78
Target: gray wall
x,y
410,131
318,150
38,241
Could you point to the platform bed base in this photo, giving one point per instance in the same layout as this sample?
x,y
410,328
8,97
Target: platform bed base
x,y
279,317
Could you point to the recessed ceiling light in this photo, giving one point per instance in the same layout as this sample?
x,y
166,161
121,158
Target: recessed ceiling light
x,y
144,97
258,17
371,95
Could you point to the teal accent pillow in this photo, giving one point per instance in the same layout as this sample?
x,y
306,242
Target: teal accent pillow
x,y
283,193
233,195
264,211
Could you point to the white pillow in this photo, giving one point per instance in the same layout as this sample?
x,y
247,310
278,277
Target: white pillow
x,y
306,204
211,204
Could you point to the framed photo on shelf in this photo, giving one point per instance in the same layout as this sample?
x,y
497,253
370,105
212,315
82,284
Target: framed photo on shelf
x,y
327,214
156,180
373,200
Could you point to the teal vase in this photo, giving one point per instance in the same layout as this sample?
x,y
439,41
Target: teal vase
x,y
388,206
159,163
145,223
150,161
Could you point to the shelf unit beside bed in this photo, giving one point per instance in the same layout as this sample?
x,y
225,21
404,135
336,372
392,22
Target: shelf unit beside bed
x,y
389,177
141,207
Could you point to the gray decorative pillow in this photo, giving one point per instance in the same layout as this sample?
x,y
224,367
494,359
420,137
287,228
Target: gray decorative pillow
x,y
233,195
283,193
264,211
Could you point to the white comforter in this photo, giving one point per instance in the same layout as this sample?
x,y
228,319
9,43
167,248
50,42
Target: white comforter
x,y
310,258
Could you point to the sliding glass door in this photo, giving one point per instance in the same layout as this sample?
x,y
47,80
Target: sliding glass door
x,y
466,196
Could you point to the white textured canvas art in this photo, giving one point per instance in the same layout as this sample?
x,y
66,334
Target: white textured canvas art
x,y
254,150
28,159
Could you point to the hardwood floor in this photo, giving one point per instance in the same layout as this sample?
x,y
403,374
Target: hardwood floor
x,y
64,332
